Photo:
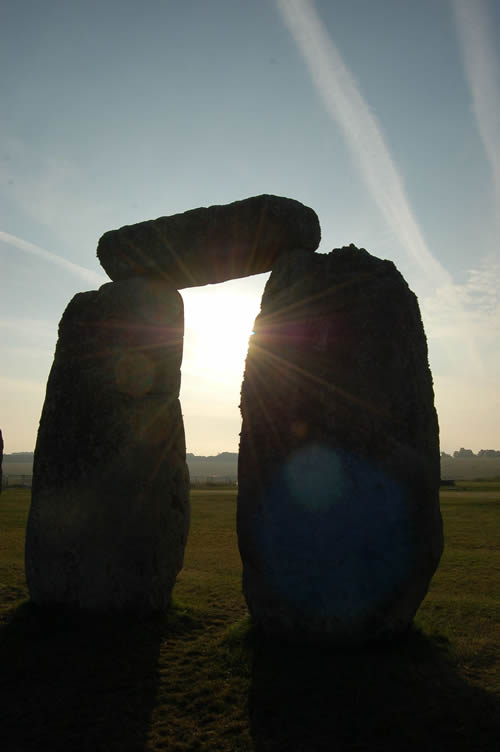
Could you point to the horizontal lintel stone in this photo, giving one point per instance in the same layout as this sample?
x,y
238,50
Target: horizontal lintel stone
x,y
210,244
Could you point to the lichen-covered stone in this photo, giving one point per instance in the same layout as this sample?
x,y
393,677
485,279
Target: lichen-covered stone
x,y
338,518
109,516
208,245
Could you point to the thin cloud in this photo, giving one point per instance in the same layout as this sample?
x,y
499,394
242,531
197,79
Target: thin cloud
x,y
48,188
343,101
23,245
466,393
480,70
480,310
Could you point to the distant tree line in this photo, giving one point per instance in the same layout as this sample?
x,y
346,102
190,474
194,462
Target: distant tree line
x,y
464,453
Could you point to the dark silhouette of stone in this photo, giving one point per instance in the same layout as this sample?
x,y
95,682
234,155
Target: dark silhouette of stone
x,y
208,245
109,516
338,518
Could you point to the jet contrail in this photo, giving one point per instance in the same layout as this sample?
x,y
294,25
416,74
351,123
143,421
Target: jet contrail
x,y
87,274
480,71
343,101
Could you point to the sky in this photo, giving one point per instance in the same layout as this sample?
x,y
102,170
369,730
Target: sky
x,y
382,115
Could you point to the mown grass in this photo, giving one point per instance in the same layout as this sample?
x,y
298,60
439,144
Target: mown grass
x,y
201,679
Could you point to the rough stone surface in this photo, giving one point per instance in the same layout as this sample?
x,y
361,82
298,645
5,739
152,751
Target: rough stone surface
x,y
109,516
210,245
338,518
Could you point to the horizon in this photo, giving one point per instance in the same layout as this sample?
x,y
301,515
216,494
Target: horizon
x,y
382,117
209,456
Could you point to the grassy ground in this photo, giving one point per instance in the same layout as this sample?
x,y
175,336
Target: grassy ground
x,y
199,679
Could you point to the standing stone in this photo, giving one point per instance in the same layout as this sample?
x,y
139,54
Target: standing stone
x,y
109,516
208,245
338,519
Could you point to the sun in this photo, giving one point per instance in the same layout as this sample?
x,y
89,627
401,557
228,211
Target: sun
x,y
218,323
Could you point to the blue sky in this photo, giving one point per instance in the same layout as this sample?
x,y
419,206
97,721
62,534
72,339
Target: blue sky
x,y
383,115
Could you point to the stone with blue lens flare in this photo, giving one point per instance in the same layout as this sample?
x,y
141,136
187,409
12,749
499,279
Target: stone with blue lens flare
x,y
339,525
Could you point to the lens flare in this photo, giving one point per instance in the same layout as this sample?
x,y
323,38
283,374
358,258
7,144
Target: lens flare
x,y
334,533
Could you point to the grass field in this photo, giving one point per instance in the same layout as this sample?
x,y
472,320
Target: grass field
x,y
200,679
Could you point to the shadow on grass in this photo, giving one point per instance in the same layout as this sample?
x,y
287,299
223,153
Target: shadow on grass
x,y
403,696
78,683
